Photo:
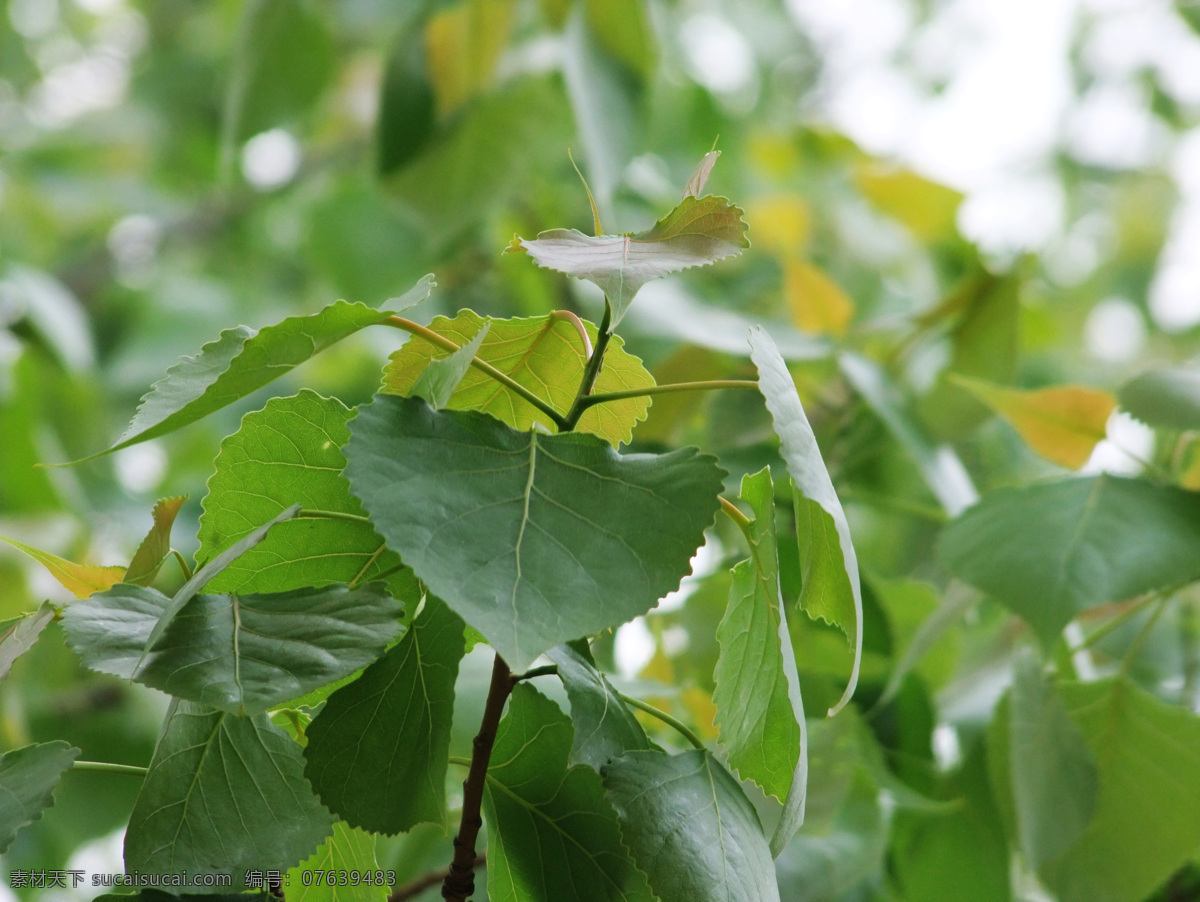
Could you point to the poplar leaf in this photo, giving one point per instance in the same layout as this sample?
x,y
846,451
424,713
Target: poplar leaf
x,y
1062,424
532,539
318,878
545,354
1049,551
829,565
604,726
18,635
224,793
690,828
81,580
441,377
290,452
243,360
377,751
697,232
28,776
240,653
759,713
156,546
551,834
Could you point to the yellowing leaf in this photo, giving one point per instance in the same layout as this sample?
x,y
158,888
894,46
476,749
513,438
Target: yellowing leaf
x,y
1062,424
157,544
782,223
81,580
816,302
463,43
927,208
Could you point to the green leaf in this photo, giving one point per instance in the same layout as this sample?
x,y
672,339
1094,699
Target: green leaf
x,y
831,587
156,546
18,635
442,376
377,751
224,795
1051,550
242,654
697,232
545,354
532,539
243,360
551,835
1147,816
28,776
215,566
690,828
604,726
347,851
81,580
1053,772
944,472
1164,398
287,453
285,58
759,711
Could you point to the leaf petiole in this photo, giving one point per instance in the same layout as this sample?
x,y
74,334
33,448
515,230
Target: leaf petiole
x,y
666,718
407,325
108,767
183,565
708,385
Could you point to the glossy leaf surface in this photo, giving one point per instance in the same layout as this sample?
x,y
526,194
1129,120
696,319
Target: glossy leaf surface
x,y
532,539
553,836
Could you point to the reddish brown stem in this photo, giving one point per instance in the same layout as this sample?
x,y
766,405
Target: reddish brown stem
x,y
459,883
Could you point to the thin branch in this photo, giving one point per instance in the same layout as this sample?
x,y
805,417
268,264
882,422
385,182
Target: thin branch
x,y
414,888
665,718
110,768
504,379
706,385
459,882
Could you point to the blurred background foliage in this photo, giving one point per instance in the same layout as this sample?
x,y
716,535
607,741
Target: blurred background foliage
x,y
934,190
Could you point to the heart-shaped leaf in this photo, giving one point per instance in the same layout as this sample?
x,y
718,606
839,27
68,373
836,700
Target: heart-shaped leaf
x,y
225,794
532,539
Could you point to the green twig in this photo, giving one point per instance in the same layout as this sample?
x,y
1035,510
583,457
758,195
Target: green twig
x,y
735,514
706,385
665,718
588,382
108,767
504,379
